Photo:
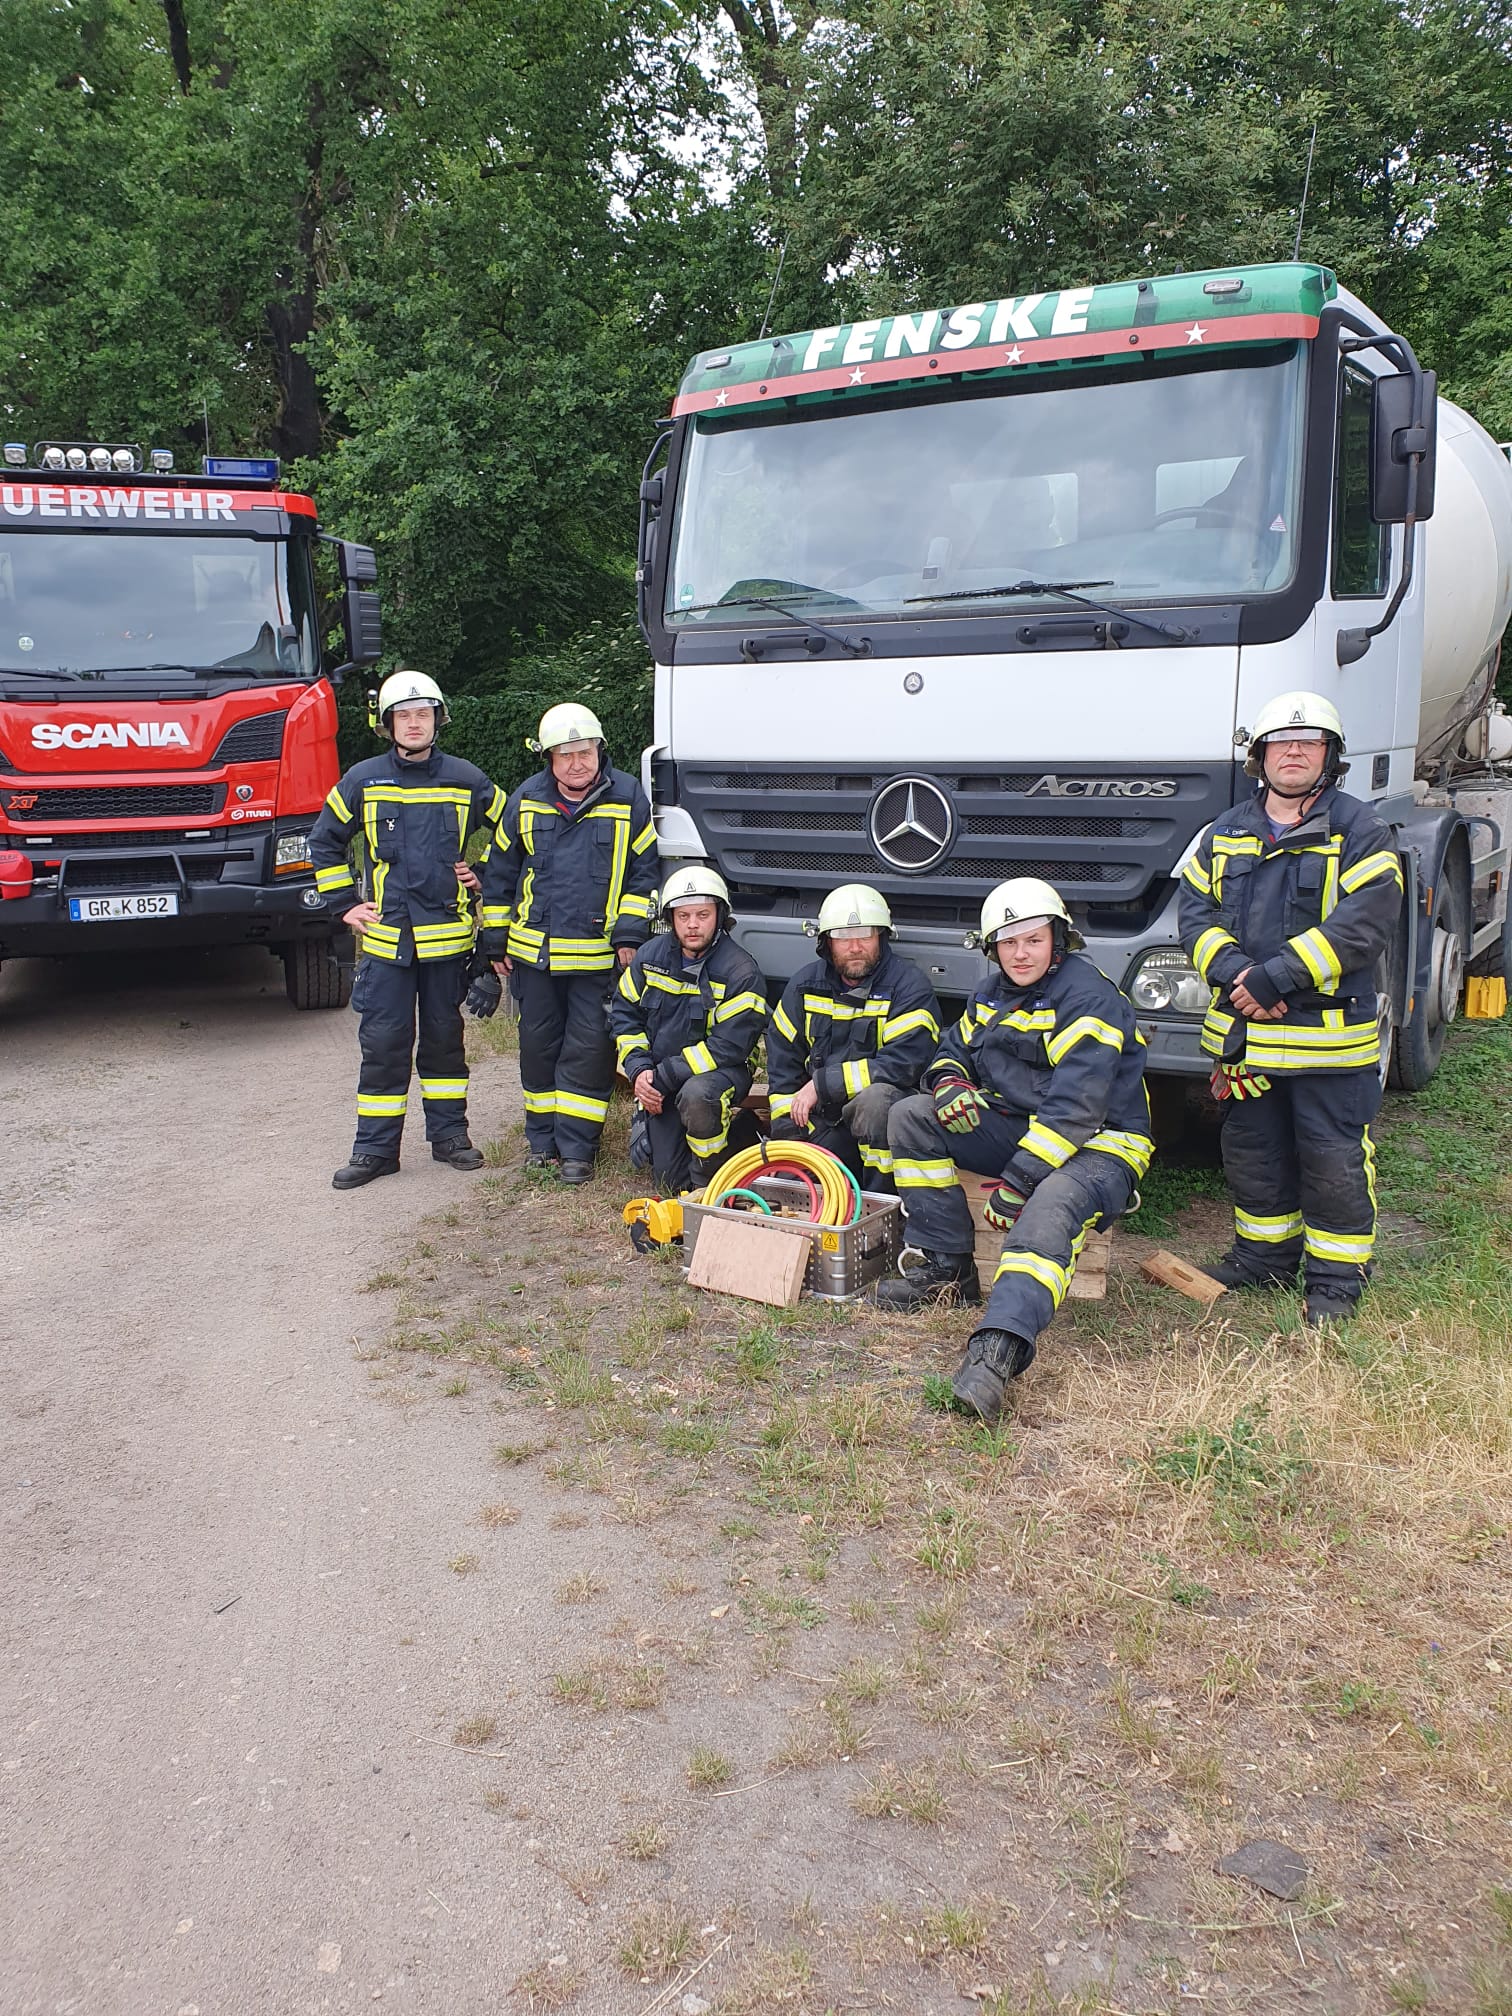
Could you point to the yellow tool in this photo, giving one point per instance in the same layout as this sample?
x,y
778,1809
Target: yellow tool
x,y
653,1221
1485,1000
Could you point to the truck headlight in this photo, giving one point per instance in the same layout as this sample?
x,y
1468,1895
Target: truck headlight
x,y
291,853
1167,982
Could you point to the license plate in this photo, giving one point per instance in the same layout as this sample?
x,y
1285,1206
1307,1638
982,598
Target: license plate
x,y
117,909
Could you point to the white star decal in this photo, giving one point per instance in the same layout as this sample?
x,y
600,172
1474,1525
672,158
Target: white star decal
x,y
1196,333
1013,355
720,398
857,376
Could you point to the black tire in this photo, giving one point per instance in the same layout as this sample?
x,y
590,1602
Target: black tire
x,y
313,975
1420,1039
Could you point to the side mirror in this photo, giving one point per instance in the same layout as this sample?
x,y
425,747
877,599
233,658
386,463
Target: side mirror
x,y
1403,425
362,616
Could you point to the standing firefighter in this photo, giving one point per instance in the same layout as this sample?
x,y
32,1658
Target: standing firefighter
x,y
416,809
687,1016
566,899
1040,1084
1286,907
850,1036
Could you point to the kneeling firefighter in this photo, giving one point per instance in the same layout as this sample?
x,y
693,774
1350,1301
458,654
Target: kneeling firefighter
x,y
416,808
1040,1084
850,1036
687,1017
1286,907
566,900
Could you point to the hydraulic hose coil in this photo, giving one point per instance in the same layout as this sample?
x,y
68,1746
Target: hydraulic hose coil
x,y
839,1194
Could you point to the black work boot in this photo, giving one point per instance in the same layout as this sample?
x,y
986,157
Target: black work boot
x,y
577,1172
1325,1310
364,1169
1236,1273
457,1151
549,1166
993,1357
942,1276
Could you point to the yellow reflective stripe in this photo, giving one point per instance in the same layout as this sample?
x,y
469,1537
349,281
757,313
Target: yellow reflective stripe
x,y
578,1106
781,1104
1197,875
339,877
443,1088
381,1105
1319,957
540,1102
1085,1027
614,896
900,1025
1349,1247
1038,1019
749,1003
879,1159
666,983
856,1077
339,806
1309,1036
699,1057
843,1011
496,806
448,929
645,840
1276,1229
983,1015
1371,869
496,916
1047,1144
1135,1149
535,805
626,988
782,1022
924,1175
415,794
705,1145
626,1047
1369,1146
1209,945
1049,1273
1236,843
632,905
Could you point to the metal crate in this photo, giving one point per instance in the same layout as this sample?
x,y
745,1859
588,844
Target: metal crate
x,y
843,1260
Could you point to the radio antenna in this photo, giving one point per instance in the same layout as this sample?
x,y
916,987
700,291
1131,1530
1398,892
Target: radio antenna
x,y
205,409
1306,185
766,319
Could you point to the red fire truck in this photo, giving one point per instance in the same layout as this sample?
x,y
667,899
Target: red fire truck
x,y
167,722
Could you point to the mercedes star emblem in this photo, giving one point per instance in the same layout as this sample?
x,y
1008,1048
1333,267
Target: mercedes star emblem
x,y
912,824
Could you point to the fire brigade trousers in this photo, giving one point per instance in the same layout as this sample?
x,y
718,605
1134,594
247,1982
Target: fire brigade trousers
x,y
391,999
699,1128
856,1132
566,1060
1300,1165
1040,1253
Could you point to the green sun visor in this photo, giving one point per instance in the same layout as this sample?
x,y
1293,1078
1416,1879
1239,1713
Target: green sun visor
x,y
1025,332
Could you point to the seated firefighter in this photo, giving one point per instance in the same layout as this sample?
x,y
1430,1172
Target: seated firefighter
x,y
1040,1084
850,1036
687,1016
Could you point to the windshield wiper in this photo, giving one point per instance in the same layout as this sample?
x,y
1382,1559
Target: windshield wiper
x,y
1067,590
856,648
33,672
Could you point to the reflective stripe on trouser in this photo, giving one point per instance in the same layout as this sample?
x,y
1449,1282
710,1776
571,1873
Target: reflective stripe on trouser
x,y
391,1001
1301,1170
857,1134
566,1060
937,1216
700,1128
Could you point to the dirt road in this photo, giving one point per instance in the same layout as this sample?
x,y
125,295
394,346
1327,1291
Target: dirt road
x,y
226,1630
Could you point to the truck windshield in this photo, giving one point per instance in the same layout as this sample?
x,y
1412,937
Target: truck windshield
x,y
89,605
1178,482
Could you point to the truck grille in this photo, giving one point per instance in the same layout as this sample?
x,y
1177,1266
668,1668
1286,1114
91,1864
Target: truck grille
x,y
148,873
120,801
259,739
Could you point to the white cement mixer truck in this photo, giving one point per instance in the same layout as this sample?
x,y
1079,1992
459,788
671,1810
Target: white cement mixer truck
x,y
991,590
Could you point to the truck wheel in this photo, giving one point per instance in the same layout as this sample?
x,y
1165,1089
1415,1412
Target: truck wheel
x,y
1420,1039
313,976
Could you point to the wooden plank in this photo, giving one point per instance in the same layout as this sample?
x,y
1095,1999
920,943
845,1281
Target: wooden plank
x,y
1090,1281
1169,1272
757,1262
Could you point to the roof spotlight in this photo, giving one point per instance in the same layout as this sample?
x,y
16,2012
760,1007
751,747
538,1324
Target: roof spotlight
x,y
52,458
15,454
77,459
162,460
123,459
99,458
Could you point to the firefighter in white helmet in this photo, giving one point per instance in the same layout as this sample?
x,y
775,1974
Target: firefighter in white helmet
x,y
566,900
850,1036
1040,1085
1287,906
687,1016
416,809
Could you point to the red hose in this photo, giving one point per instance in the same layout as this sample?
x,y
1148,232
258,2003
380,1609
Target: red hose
x,y
792,1169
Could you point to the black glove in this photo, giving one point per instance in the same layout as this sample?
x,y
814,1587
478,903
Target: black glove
x,y
484,995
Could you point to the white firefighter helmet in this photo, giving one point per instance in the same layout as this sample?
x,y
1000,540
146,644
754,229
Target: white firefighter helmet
x,y
696,884
1021,904
569,722
408,688
1288,712
854,907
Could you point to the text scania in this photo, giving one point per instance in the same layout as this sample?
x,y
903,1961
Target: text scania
x,y
51,500
1050,786
109,735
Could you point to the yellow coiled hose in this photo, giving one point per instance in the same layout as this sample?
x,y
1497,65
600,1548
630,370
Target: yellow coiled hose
x,y
839,1193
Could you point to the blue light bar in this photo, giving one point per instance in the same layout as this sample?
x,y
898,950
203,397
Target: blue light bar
x,y
259,468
